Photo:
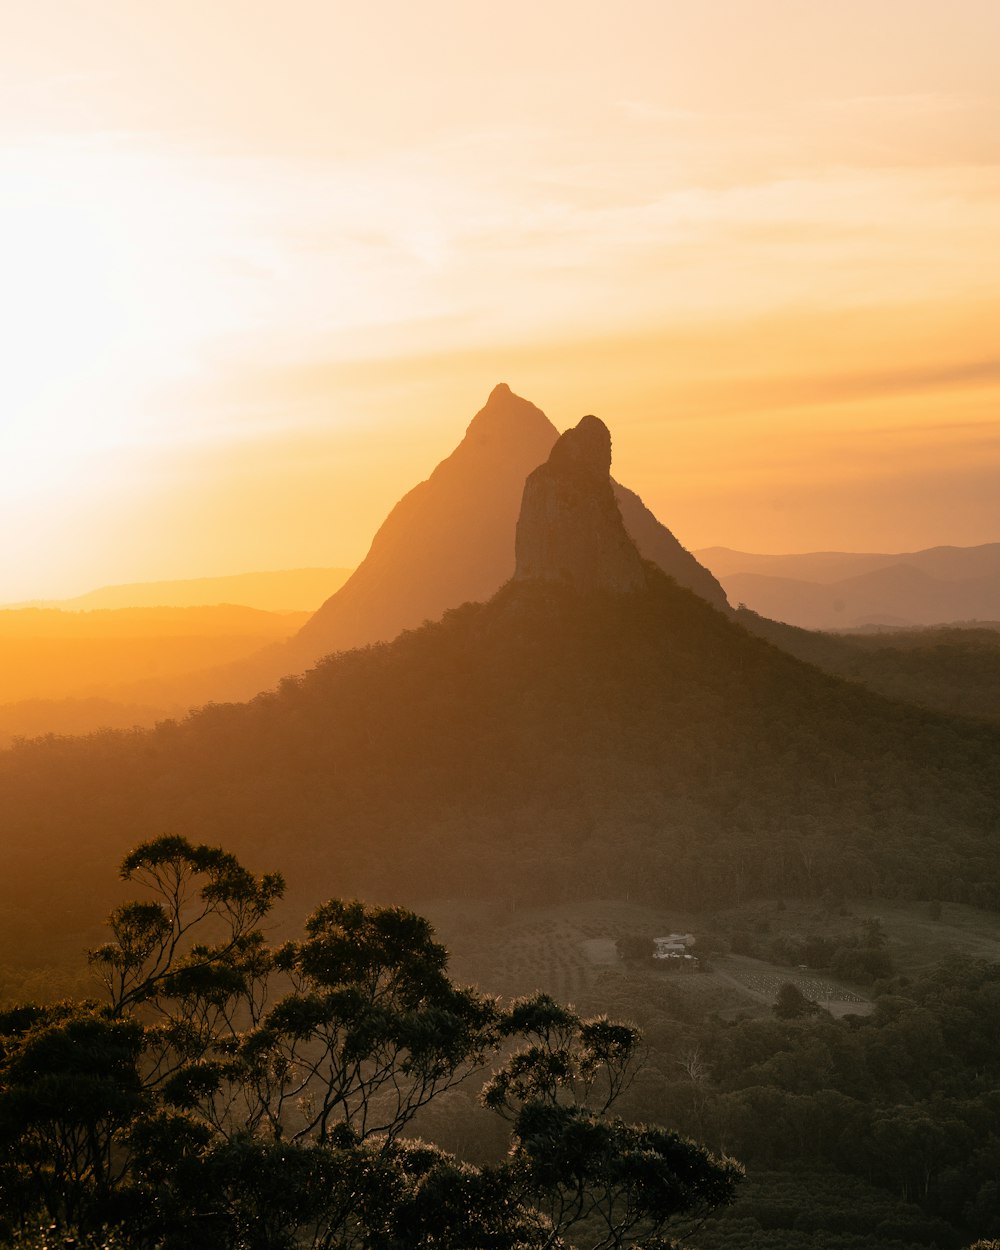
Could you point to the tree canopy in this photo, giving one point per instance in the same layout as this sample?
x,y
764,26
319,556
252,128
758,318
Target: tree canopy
x,y
228,1093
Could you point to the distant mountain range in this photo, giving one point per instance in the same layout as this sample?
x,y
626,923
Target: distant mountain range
x,y
285,590
578,734
65,671
843,590
451,540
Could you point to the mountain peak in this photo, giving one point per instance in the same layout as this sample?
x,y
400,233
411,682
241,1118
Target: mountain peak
x,y
508,416
570,528
585,449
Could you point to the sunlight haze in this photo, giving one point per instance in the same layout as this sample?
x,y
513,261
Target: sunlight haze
x,y
263,263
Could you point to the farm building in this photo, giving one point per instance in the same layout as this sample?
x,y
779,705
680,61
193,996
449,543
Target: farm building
x,y
673,946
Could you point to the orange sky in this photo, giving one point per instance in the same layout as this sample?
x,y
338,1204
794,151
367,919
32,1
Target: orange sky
x,y
261,264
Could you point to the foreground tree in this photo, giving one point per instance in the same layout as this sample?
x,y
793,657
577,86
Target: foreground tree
x,y
233,1094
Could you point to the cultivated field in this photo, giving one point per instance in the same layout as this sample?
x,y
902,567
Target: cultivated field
x,y
570,951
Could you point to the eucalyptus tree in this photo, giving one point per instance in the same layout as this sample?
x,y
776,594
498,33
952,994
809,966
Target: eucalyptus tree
x,y
229,1093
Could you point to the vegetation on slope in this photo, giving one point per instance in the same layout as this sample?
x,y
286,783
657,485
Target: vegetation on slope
x,y
953,669
544,746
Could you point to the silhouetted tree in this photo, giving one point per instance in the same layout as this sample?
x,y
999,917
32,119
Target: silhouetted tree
x,y
236,1096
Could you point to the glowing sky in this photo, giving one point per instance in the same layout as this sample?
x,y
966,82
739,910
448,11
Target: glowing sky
x,y
262,262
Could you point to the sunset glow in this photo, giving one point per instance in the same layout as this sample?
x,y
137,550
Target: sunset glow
x,y
260,269
500,624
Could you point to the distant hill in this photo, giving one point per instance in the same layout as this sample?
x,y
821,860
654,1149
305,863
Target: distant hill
x,y
448,541
224,620
844,590
287,590
559,741
954,669
68,672
51,654
33,718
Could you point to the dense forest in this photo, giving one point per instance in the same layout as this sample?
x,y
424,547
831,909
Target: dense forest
x,y
544,746
952,668
874,1129
859,1089
903,1100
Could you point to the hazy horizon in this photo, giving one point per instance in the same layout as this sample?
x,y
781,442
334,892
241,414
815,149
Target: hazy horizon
x,y
243,317
527,476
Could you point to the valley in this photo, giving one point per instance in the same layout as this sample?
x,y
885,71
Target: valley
x,y
596,754
500,625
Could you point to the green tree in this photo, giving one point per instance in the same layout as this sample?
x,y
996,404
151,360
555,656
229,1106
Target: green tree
x,y
571,1161
230,1095
790,1003
70,1090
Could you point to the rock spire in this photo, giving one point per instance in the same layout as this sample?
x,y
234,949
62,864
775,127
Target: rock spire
x,y
570,529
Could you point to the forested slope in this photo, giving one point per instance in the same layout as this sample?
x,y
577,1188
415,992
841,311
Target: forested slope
x,y
546,745
953,668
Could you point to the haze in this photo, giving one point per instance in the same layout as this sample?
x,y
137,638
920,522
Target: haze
x,y
261,264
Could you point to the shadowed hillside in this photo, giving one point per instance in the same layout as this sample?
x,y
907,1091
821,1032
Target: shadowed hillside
x,y
449,541
954,669
552,743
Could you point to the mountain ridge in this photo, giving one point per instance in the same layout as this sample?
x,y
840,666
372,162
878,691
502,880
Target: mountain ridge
x,y
845,590
552,742
275,590
447,541
818,566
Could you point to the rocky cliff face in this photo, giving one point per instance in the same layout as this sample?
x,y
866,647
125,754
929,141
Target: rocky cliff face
x,y
451,539
570,528
448,541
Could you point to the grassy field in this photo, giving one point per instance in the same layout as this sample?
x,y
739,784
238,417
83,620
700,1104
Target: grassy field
x,y
569,951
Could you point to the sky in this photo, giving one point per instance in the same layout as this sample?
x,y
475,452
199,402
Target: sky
x,y
261,264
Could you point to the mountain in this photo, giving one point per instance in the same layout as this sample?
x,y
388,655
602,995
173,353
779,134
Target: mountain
x,y
450,540
952,564
284,590
570,529
843,590
561,740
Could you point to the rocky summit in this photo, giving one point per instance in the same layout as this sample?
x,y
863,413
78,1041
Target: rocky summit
x,y
450,540
570,529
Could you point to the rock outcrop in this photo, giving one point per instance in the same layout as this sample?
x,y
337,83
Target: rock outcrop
x,y
570,528
448,541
